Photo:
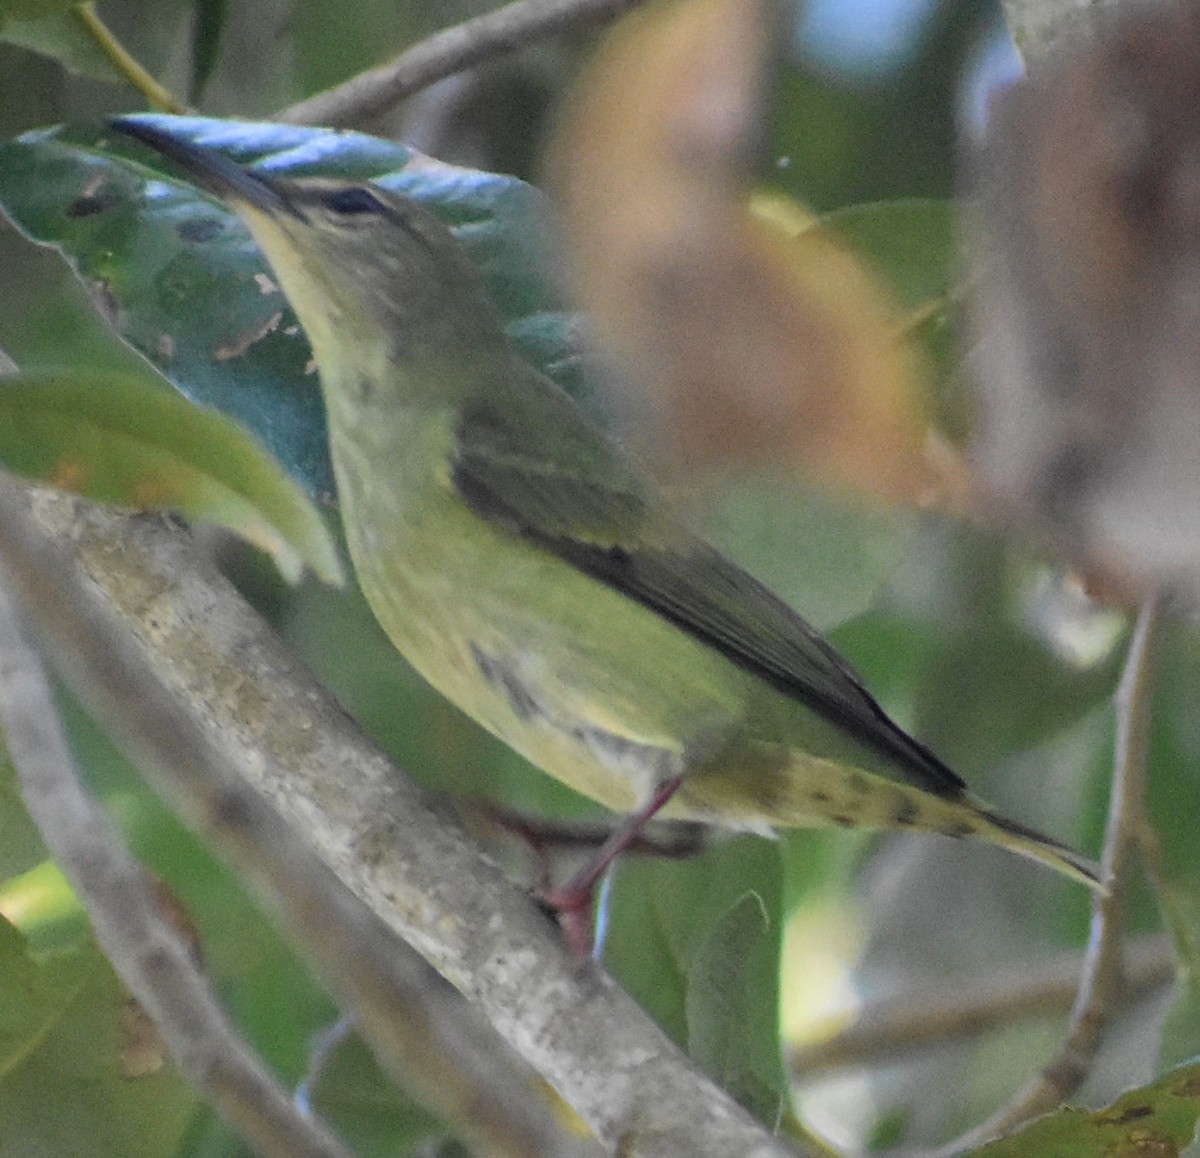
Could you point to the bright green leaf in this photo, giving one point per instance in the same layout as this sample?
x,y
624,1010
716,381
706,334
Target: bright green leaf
x,y
1154,1122
81,1068
43,905
123,439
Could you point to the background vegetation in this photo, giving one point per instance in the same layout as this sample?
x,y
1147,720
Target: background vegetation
x,y
978,641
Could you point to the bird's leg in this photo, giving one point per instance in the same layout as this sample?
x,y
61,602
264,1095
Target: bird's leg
x,y
572,903
669,839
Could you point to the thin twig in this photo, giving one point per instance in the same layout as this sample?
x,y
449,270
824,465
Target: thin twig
x,y
889,1028
415,1022
1102,980
1177,920
156,95
445,53
148,953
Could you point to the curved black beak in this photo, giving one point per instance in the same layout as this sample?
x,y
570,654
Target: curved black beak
x,y
208,169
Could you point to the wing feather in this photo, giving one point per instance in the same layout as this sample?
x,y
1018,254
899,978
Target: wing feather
x,y
579,499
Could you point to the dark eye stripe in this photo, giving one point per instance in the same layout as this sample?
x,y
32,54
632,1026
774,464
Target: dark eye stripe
x,y
354,199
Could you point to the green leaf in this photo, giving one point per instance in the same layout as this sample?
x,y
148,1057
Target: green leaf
x,y
676,933
1158,1120
50,913
733,1007
211,19
367,1110
81,1069
33,9
60,36
912,244
123,439
177,275
1181,1031
21,844
825,555
641,948
1174,797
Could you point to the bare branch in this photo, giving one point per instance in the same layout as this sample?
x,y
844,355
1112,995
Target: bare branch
x,y
149,954
889,1028
1102,981
443,54
415,1022
211,660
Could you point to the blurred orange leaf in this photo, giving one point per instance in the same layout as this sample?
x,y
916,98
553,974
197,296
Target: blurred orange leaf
x,y
756,339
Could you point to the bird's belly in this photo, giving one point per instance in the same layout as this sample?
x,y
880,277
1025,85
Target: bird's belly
x,y
587,685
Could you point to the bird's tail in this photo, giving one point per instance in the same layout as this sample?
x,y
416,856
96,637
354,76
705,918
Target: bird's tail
x,y
807,791
1028,842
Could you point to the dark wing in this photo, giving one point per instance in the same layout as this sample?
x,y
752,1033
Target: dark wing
x,y
572,493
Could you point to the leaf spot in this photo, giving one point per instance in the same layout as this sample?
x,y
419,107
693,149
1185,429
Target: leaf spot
x,y
105,302
243,342
153,491
87,205
90,202
1149,1144
143,1052
68,474
265,284
1188,1088
200,230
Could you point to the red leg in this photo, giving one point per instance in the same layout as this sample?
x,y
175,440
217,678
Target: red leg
x,y
572,902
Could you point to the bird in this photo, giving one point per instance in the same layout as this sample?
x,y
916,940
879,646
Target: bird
x,y
540,580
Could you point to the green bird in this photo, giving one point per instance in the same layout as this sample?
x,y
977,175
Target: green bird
x,y
527,569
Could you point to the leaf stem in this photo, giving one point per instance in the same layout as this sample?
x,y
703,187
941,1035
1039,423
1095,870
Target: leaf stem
x,y
443,54
156,95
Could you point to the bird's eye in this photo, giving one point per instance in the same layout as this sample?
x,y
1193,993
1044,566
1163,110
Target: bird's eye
x,y
354,199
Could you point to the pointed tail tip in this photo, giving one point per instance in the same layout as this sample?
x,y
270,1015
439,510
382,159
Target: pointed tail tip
x,y
1074,865
1062,858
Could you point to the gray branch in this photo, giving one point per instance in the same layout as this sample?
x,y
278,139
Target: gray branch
x,y
149,954
413,1020
1043,29
212,663
889,1028
1103,977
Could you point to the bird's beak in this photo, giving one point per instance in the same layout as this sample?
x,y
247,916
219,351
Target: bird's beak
x,y
208,169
